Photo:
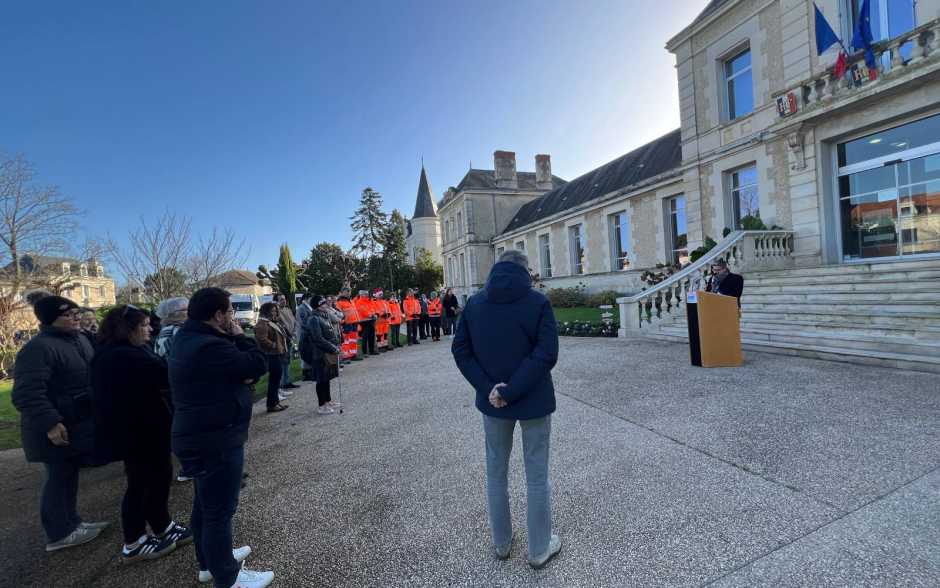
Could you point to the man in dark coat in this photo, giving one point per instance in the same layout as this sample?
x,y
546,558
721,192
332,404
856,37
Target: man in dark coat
x,y
211,364
506,346
52,391
723,282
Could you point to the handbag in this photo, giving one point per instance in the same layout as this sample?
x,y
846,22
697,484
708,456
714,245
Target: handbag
x,y
331,364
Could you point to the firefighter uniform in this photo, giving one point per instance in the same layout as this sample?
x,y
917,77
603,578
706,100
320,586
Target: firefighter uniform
x,y
435,310
349,348
412,316
366,312
395,318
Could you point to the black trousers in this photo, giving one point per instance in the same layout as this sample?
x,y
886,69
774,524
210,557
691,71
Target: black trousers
x,y
323,392
436,328
275,367
145,500
424,326
394,332
412,332
368,338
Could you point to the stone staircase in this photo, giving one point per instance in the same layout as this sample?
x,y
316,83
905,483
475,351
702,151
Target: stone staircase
x,y
874,313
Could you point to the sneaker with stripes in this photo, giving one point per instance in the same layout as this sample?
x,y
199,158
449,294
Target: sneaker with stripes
x,y
178,534
149,548
240,554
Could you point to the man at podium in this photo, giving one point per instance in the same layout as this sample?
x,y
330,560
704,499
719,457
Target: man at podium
x,y
722,281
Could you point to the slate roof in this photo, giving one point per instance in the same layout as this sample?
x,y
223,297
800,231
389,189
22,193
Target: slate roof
x,y
31,262
486,179
424,204
643,163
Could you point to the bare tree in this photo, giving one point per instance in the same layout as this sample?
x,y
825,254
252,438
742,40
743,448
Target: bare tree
x,y
163,255
215,254
33,219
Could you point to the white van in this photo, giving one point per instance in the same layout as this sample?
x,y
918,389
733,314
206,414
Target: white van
x,y
246,308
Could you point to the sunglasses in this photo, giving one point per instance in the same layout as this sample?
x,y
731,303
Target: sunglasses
x,y
128,307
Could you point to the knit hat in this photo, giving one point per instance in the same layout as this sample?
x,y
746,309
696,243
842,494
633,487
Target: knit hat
x,y
316,301
49,308
377,292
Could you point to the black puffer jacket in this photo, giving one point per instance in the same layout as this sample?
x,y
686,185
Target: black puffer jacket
x,y
132,406
52,384
209,372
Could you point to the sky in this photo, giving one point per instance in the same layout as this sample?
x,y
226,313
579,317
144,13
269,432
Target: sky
x,y
271,117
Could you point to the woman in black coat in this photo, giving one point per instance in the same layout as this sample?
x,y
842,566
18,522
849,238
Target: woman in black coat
x,y
321,350
133,419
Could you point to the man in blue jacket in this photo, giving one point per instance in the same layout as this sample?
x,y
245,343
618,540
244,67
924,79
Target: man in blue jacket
x,y
506,346
212,363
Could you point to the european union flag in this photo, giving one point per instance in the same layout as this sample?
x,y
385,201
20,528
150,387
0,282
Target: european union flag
x,y
825,36
862,37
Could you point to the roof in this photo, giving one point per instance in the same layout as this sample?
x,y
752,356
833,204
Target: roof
x,y
486,179
236,278
424,204
31,262
641,164
711,8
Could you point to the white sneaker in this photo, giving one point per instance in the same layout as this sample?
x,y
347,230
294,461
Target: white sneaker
x,y
325,409
284,392
334,404
250,579
240,554
182,478
79,536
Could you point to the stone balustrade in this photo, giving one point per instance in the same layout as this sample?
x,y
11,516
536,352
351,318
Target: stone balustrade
x,y
921,44
742,250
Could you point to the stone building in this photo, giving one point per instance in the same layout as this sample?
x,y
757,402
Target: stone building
x,y
84,282
242,282
474,212
423,229
824,191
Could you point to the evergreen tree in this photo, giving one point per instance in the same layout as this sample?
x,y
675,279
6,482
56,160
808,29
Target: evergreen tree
x,y
394,252
429,275
286,276
329,269
369,224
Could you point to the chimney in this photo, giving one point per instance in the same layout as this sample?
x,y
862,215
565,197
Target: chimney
x,y
504,162
543,172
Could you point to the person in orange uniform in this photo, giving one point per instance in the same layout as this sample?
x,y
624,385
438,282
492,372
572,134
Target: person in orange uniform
x,y
435,310
395,318
366,312
349,348
380,307
412,310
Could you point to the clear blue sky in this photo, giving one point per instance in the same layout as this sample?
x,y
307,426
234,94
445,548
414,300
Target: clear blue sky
x,y
272,116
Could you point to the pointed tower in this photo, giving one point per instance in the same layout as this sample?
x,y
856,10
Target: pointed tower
x,y
423,230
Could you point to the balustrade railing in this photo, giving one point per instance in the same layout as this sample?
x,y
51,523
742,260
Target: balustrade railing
x,y
920,44
742,250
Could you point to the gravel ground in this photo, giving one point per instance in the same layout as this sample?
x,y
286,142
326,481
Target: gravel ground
x,y
786,471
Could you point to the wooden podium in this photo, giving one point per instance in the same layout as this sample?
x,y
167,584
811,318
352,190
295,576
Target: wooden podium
x,y
714,330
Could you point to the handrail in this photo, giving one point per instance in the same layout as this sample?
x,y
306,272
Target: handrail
x,y
740,249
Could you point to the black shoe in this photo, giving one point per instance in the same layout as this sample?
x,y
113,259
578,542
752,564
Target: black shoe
x,y
178,534
278,408
290,386
152,548
357,359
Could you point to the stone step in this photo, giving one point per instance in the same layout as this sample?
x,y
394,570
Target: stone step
x,y
856,268
924,363
843,287
914,329
846,316
928,309
766,279
816,296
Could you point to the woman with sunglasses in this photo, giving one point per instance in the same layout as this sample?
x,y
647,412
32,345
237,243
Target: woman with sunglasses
x,y
133,424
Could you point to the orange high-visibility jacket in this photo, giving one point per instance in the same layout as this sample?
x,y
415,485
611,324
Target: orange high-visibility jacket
x,y
350,314
395,313
380,308
435,307
364,308
412,308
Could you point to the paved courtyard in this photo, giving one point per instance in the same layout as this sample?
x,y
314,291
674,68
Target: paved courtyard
x,y
786,472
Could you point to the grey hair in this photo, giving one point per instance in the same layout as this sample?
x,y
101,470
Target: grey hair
x,y
720,262
515,256
171,305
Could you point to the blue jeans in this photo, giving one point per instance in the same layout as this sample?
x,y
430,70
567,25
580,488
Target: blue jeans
x,y
217,477
285,369
58,502
536,434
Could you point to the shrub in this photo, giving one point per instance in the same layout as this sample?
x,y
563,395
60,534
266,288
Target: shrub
x,y
697,253
567,297
601,298
588,329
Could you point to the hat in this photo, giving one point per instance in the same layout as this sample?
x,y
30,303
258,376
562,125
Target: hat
x,y
49,308
171,305
363,292
316,301
377,292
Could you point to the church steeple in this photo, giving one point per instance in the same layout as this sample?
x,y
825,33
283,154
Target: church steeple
x,y
424,205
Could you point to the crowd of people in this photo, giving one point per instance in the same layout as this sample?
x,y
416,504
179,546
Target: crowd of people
x,y
143,386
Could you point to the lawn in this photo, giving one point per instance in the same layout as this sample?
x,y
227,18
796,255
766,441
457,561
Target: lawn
x,y
583,313
9,418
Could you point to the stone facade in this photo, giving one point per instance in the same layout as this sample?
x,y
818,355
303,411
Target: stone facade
x,y
84,282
